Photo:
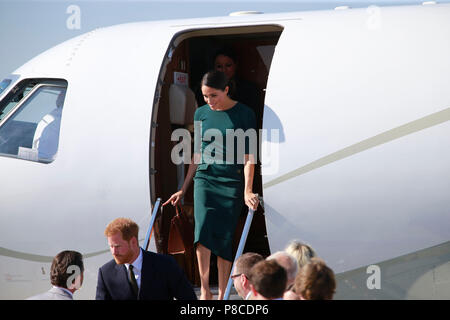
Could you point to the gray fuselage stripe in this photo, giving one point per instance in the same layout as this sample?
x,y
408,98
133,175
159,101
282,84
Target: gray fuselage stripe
x,y
396,133
24,256
38,258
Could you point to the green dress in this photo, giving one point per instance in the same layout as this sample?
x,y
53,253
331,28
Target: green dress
x,y
219,179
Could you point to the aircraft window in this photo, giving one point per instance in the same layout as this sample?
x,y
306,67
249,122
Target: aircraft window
x,y
18,96
4,84
32,131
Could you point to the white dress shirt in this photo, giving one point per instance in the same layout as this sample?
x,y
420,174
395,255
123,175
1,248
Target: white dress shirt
x,y
137,268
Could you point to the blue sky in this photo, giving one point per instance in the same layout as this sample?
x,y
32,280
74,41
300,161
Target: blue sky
x,y
29,27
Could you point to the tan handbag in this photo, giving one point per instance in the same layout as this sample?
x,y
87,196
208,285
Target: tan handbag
x,y
181,233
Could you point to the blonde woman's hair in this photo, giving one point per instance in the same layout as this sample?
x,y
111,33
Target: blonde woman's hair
x,y
301,252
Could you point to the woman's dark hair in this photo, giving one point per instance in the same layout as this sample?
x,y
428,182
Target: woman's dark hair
x,y
59,273
227,52
215,79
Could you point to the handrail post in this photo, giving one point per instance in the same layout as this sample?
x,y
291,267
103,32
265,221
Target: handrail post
x,y
152,221
240,249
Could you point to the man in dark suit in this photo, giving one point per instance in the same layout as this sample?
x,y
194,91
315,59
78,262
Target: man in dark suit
x,y
138,274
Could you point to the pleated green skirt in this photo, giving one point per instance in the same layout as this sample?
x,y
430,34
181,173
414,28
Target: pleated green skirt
x,y
218,201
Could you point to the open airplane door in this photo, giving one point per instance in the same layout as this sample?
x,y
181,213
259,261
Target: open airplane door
x,y
189,56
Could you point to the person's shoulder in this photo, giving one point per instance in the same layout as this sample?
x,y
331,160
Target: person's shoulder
x,y
161,257
163,262
201,110
243,108
109,265
40,296
54,293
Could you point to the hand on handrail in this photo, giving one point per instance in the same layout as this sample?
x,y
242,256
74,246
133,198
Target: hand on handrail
x,y
175,198
251,200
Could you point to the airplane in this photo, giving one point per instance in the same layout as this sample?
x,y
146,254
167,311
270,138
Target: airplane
x,y
355,154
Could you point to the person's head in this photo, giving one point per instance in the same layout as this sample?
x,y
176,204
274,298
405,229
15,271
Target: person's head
x,y
289,264
225,61
301,252
67,270
315,281
241,271
215,88
122,234
267,280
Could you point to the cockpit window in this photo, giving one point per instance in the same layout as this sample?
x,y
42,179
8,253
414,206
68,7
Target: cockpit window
x,y
30,127
4,84
17,94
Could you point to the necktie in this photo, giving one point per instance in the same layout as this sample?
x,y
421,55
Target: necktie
x,y
133,282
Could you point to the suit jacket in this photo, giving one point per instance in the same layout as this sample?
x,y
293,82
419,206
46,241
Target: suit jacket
x,y
161,279
54,293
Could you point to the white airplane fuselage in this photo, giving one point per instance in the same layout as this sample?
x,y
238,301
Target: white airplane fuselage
x,y
360,169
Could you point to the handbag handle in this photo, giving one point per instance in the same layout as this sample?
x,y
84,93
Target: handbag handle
x,y
178,209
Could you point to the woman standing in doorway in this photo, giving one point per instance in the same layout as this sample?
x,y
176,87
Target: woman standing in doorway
x,y
220,185
246,92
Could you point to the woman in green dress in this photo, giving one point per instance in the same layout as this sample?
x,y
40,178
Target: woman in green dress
x,y
222,170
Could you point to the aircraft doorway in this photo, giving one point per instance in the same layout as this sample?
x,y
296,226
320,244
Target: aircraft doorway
x,y
189,56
